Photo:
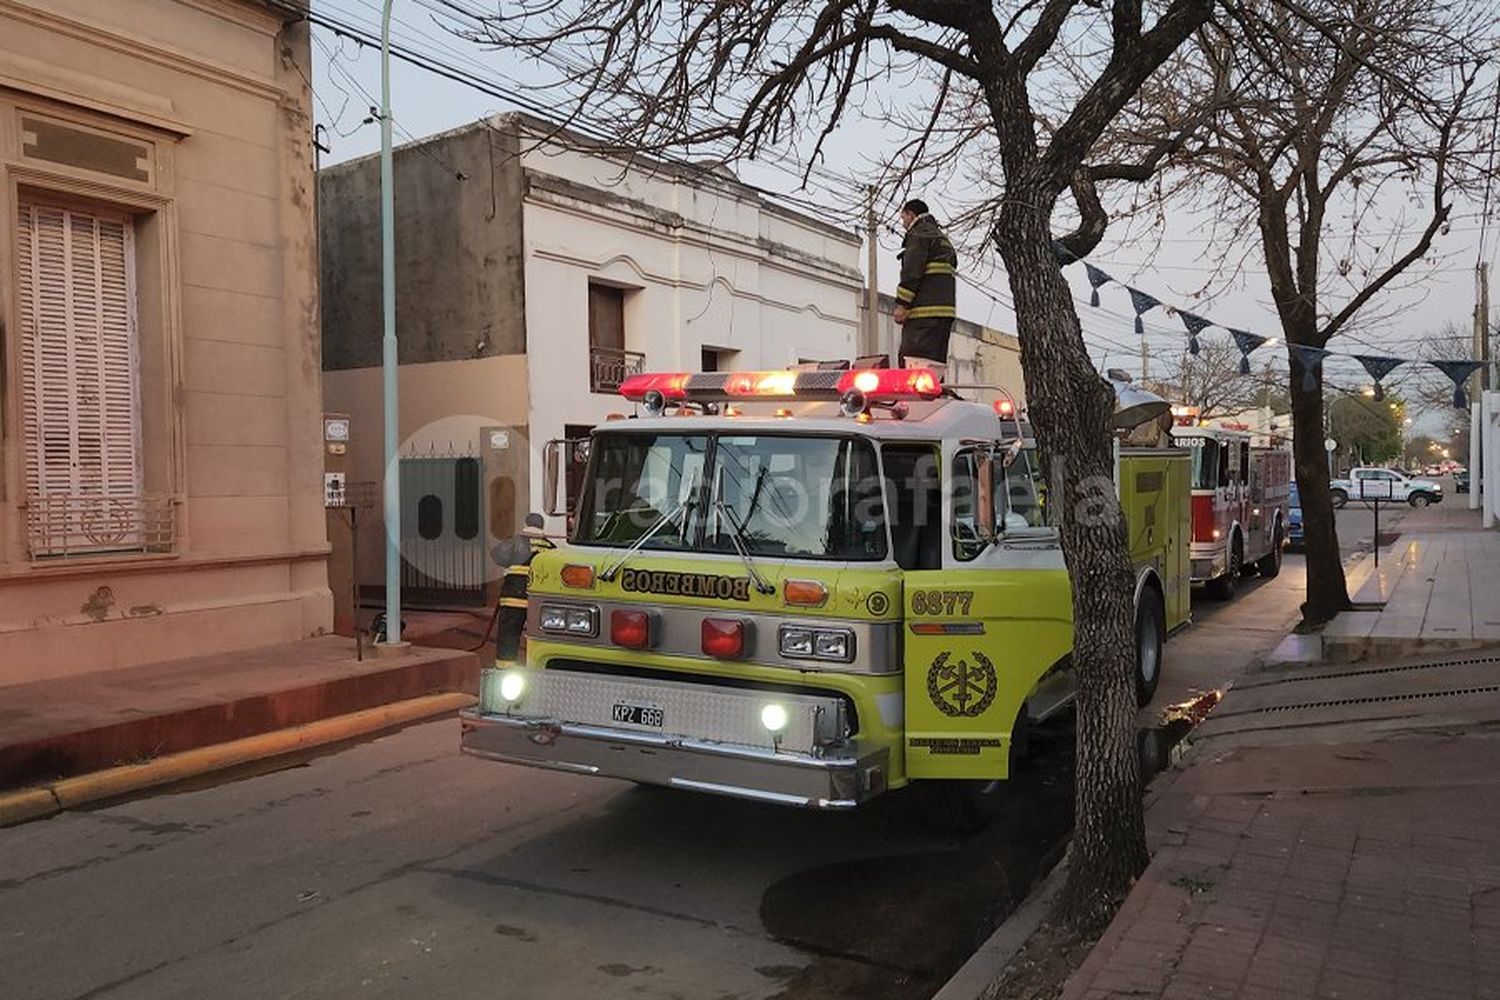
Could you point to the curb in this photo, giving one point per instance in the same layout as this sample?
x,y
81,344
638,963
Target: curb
x,y
38,801
974,978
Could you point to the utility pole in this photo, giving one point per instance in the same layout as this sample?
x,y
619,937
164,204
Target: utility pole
x,y
1143,359
1481,380
389,359
872,289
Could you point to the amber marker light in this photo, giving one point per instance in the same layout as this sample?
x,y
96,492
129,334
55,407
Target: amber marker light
x,y
578,576
804,593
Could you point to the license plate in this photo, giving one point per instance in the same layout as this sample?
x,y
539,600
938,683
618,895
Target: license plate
x,y
639,715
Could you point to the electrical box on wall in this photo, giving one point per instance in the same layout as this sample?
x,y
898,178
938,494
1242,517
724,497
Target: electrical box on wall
x,y
335,459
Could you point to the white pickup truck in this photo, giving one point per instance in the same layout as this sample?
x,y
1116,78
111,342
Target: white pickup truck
x,y
1385,484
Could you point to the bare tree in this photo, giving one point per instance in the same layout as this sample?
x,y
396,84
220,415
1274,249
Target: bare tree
x,y
1340,132
1211,381
737,78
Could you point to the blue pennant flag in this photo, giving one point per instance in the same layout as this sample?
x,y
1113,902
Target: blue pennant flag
x,y
1195,325
1247,342
1096,278
1310,358
1063,254
1379,366
1459,372
1143,302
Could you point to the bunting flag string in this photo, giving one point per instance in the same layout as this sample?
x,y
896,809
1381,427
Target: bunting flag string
x,y
1247,342
1379,367
1459,372
1195,325
1309,359
1143,302
1096,279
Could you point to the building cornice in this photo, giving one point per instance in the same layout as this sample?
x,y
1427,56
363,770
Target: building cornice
x,y
563,195
141,48
595,265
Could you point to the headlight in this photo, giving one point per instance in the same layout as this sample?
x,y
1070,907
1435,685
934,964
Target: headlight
x,y
512,685
831,646
773,717
569,619
796,642
799,642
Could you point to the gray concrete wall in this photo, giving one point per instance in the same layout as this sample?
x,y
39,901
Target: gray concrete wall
x,y
459,252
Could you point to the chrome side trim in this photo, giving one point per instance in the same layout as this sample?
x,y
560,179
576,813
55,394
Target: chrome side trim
x,y
676,631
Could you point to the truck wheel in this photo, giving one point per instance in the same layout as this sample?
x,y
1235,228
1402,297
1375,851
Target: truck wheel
x,y
1339,498
966,806
1419,500
1269,564
1222,588
1150,633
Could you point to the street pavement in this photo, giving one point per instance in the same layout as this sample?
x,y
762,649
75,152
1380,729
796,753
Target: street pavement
x,y
1334,835
399,868
396,867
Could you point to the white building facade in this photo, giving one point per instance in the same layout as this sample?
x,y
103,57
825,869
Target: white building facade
x,y
533,276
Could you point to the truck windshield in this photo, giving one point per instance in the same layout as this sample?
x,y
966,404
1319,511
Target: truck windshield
x,y
783,495
1205,462
639,480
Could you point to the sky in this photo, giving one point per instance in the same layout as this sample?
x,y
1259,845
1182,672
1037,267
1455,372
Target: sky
x,y
1169,257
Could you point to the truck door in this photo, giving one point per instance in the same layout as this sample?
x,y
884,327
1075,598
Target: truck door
x,y
984,626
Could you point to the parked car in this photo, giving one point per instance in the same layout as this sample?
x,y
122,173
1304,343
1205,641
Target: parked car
x,y
1294,519
1461,481
1388,484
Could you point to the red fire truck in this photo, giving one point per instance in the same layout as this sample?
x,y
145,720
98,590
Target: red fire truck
x,y
1239,502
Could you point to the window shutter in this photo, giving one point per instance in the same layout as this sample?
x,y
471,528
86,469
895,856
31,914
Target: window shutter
x,y
80,391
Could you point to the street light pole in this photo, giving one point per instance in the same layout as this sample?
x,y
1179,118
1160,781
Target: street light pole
x,y
389,360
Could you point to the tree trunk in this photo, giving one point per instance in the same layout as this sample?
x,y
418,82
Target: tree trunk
x,y
1070,407
1327,593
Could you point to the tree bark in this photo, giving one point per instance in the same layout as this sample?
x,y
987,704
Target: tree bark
x,y
1070,408
1327,593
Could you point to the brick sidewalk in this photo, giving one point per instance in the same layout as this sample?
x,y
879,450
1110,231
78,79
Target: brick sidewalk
x,y
1307,869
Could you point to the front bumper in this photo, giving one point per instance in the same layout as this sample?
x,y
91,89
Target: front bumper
x,y
833,781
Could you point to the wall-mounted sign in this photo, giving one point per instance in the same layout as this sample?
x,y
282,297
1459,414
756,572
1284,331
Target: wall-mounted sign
x,y
335,428
333,489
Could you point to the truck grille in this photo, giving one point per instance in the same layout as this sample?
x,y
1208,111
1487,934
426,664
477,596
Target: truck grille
x,y
708,712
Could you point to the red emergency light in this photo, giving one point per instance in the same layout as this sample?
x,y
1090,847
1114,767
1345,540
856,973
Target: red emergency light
x,y
876,384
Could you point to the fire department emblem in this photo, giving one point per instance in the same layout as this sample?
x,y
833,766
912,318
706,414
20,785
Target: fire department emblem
x,y
960,688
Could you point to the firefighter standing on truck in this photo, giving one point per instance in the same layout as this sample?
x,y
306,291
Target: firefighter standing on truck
x,y
925,298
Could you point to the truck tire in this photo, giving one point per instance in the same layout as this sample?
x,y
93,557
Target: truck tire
x,y
1339,498
1222,587
1269,565
1419,500
1150,634
967,806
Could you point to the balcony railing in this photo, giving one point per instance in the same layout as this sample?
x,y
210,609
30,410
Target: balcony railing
x,y
609,366
63,525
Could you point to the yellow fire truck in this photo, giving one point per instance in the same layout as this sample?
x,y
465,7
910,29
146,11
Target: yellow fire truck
x,y
809,587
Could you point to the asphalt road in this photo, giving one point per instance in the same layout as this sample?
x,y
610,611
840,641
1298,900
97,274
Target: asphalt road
x,y
398,868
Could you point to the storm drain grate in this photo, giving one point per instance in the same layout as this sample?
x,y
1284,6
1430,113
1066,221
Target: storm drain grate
x,y
1376,699
1473,661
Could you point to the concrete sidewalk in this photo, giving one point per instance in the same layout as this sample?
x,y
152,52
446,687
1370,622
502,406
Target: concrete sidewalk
x,y
1336,834
56,728
1437,589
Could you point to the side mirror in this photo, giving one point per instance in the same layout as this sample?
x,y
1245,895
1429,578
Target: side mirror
x,y
552,454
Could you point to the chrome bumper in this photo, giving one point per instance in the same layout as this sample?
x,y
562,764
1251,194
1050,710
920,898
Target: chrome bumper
x,y
830,782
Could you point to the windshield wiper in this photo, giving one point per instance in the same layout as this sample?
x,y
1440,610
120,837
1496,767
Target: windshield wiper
x,y
737,535
688,500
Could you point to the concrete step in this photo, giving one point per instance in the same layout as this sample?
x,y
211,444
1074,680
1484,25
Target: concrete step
x,y
82,723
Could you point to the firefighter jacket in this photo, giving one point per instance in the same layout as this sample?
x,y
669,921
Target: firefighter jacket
x,y
929,275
